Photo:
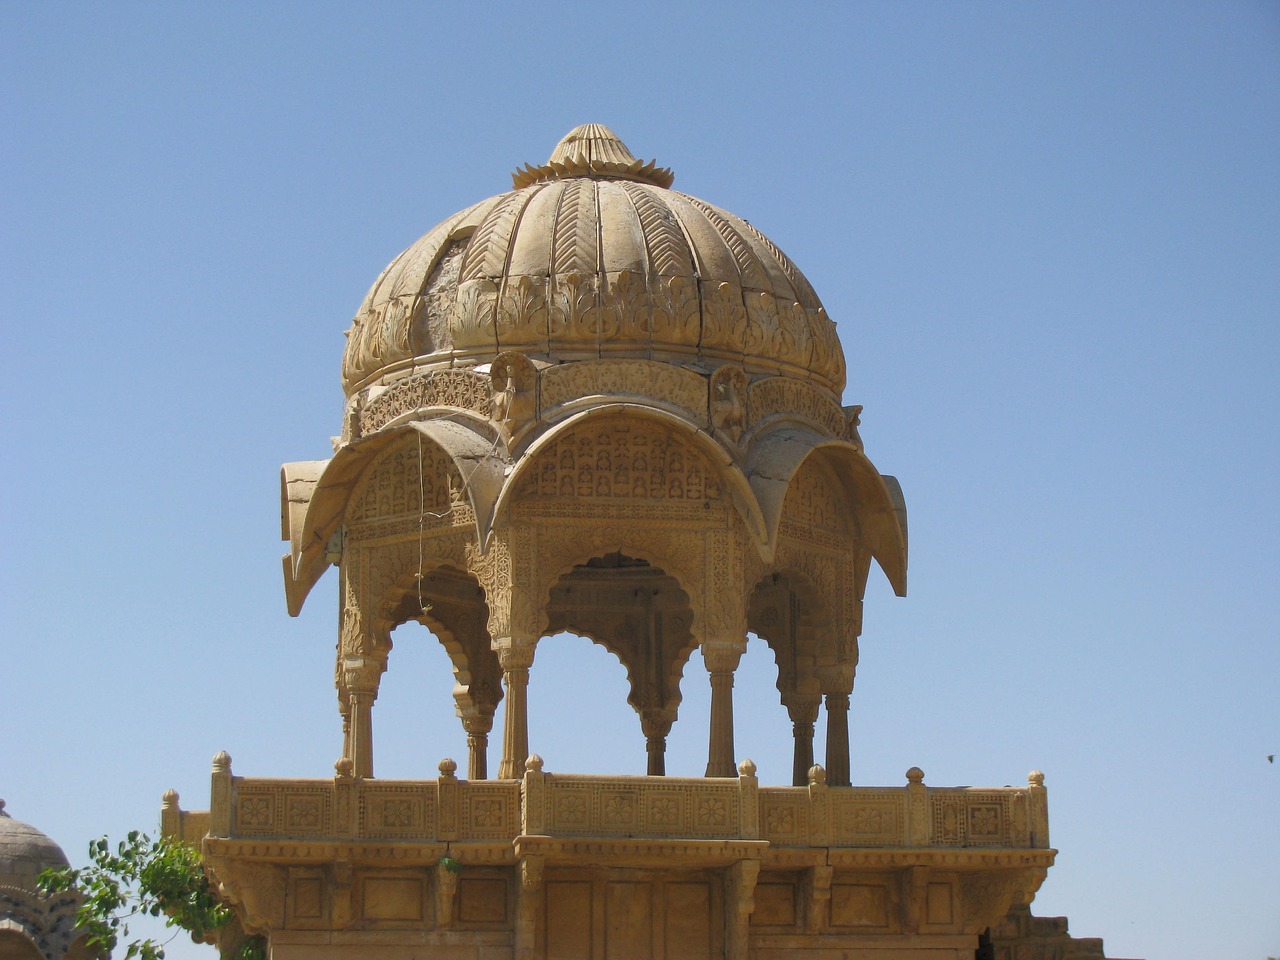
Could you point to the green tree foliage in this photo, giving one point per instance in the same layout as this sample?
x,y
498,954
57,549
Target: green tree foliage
x,y
145,877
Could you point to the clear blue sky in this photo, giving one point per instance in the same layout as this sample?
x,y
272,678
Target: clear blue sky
x,y
1050,235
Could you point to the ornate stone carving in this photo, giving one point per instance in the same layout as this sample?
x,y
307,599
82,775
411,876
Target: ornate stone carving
x,y
787,396
515,386
461,389
630,378
414,478
471,320
622,459
728,401
492,568
522,313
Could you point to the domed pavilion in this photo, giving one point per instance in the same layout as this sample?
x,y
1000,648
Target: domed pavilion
x,y
596,404
599,405
34,925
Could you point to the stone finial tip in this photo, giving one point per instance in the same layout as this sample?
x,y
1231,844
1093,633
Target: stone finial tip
x,y
533,764
1036,778
915,775
592,149
221,761
342,767
170,798
817,775
747,767
448,767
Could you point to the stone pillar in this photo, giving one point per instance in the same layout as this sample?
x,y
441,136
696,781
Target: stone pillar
x,y
361,676
804,714
478,727
721,662
656,748
838,739
516,659
656,724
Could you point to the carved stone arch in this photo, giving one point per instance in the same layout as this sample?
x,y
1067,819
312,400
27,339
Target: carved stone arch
x,y
439,470
728,476
872,502
788,609
448,600
834,647
643,616
610,614
679,554
319,497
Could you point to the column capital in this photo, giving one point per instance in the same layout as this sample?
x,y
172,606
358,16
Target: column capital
x,y
722,657
514,654
361,675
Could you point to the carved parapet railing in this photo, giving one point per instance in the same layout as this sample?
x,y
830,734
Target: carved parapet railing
x,y
348,808
911,816
189,826
699,808
575,806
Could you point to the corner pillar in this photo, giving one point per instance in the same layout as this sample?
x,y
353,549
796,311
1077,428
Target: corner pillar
x,y
361,676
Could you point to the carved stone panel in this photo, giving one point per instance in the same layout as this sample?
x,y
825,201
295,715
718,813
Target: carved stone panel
x,y
622,459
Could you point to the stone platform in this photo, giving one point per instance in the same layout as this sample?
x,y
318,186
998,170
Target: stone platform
x,y
566,866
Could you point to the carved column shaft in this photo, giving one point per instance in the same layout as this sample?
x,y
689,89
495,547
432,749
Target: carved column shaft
x,y
362,734
361,676
515,660
838,739
803,713
721,664
656,724
478,755
802,755
656,747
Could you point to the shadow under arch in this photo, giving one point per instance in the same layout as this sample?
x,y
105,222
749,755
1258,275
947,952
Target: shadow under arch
x,y
640,614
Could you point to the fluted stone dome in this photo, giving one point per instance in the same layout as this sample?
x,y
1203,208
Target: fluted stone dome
x,y
25,853
593,255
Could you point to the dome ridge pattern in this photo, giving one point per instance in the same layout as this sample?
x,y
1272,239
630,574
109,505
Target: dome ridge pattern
x,y
588,259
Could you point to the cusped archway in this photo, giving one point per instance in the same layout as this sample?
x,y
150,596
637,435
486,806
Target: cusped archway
x,y
642,615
